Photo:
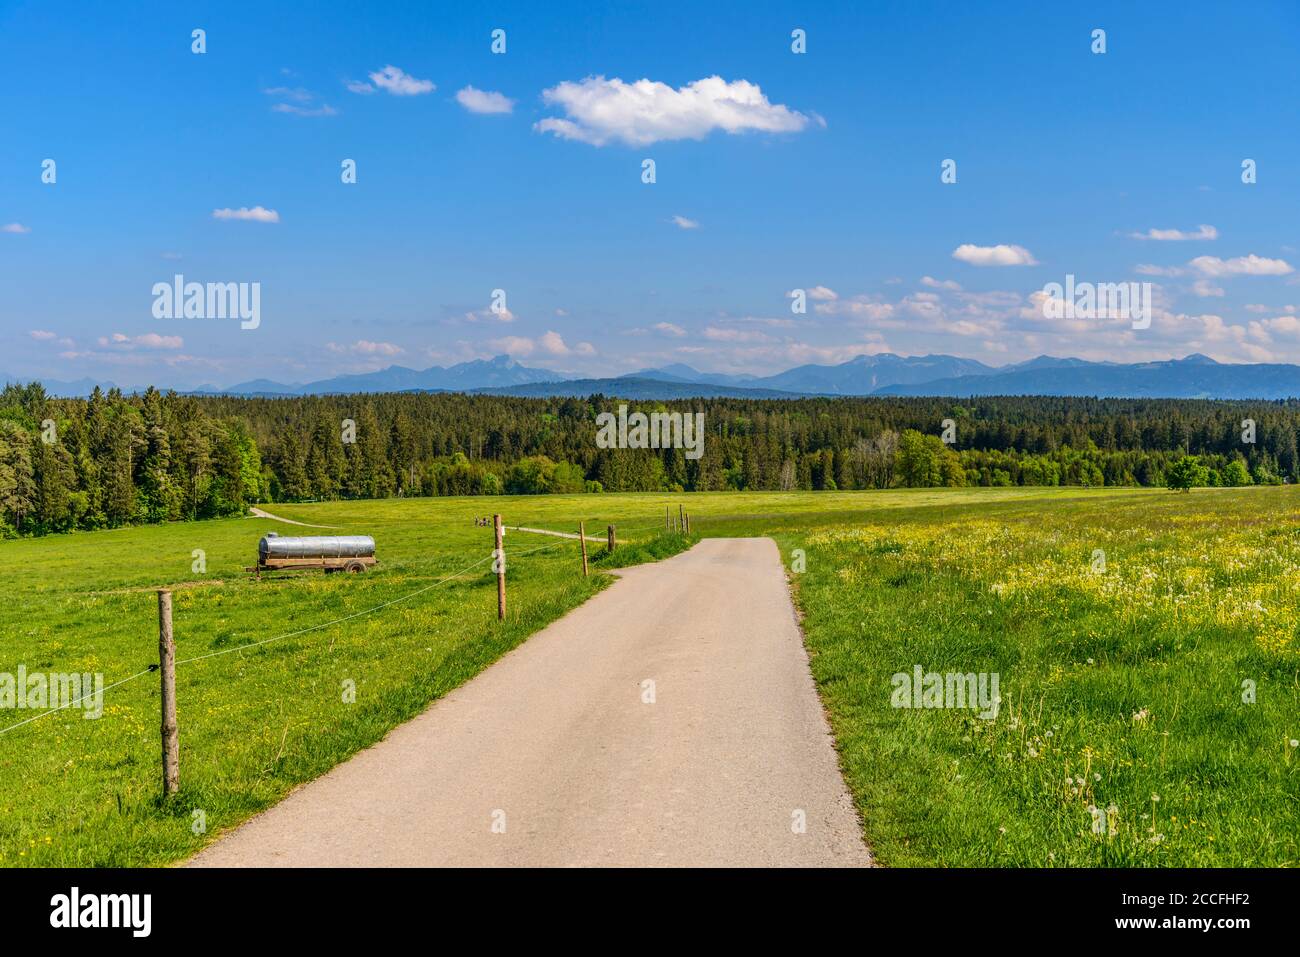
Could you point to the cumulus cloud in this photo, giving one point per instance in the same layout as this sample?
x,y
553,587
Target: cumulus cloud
x,y
1204,288
550,343
392,80
669,329
258,214
681,222
599,111
1264,330
484,101
1251,265
14,228
820,293
1177,235
1001,255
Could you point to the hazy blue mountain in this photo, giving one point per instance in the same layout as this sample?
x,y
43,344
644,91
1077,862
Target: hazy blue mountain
x,y
1192,377
631,387
465,376
70,389
1049,362
678,372
863,375
259,387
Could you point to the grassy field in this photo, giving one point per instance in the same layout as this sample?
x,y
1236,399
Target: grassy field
x,y
1121,689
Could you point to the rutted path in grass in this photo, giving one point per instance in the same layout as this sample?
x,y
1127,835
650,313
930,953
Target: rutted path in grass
x,y
288,521
670,720
547,531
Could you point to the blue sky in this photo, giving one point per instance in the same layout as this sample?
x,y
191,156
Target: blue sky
x,y
817,171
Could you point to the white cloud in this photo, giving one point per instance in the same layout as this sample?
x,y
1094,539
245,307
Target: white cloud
x,y
949,284
393,80
1177,235
1204,288
861,307
1265,329
150,340
297,94
44,335
550,343
599,111
1251,265
683,223
484,101
364,347
820,293
1146,269
513,345
299,100
716,334
489,315
669,329
14,228
323,110
1001,255
258,214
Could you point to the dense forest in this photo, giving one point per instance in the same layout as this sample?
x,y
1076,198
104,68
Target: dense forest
x,y
117,459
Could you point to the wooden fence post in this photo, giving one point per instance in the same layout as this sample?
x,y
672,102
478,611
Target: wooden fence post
x,y
171,757
500,561
681,517
609,545
582,534
668,522
687,521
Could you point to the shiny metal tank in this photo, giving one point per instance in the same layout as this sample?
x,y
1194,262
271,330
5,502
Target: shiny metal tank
x,y
316,546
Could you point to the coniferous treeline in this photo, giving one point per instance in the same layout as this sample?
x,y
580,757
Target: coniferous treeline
x,y
117,459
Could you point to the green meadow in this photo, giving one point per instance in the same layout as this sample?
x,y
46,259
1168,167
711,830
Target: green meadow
x,y
1149,673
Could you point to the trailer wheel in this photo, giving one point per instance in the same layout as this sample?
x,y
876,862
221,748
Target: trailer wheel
x,y
354,568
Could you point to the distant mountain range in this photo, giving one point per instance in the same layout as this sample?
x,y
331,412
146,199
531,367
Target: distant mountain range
x,y
1195,376
481,373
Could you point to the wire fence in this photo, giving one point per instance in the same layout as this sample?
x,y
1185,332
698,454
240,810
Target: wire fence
x,y
297,632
